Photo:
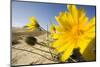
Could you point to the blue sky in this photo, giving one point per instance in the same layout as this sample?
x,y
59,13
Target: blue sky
x,y
44,12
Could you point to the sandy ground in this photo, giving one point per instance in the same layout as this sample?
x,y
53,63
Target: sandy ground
x,y
20,57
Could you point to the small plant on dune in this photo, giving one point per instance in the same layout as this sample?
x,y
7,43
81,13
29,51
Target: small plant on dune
x,y
31,40
74,31
32,25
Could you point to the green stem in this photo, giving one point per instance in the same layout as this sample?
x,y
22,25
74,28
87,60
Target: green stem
x,y
41,50
73,60
44,45
42,28
48,43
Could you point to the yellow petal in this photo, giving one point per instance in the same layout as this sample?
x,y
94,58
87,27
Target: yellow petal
x,y
52,28
82,21
58,29
61,39
82,16
83,43
63,22
60,22
33,20
67,53
88,51
70,19
74,11
90,25
92,21
81,13
88,35
58,43
63,47
55,36
28,25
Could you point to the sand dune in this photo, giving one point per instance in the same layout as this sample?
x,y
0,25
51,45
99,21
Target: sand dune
x,y
20,57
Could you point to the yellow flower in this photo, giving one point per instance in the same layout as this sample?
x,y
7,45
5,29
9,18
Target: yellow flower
x,y
52,28
75,30
33,25
53,31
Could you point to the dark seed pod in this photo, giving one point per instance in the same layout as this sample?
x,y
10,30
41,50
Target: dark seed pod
x,y
31,40
14,42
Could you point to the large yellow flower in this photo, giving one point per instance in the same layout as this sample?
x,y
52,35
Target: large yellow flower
x,y
33,25
75,30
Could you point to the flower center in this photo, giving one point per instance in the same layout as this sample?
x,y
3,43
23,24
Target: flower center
x,y
77,32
